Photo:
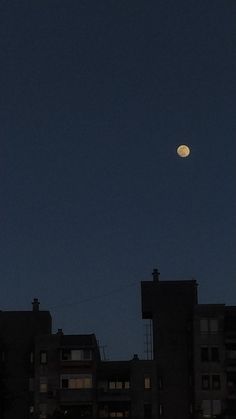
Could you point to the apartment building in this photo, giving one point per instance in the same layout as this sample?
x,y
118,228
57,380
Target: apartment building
x,y
18,330
194,348
127,389
65,375
170,305
192,375
71,380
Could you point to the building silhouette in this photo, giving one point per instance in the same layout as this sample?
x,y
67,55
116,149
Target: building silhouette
x,y
192,374
18,330
194,348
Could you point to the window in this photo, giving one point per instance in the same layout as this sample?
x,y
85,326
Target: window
x,y
204,325
147,383
43,357
160,409
104,413
118,385
115,385
80,381
76,354
87,354
210,354
42,411
205,382
209,325
213,325
206,408
43,385
231,351
211,407
216,407
215,354
204,354
216,382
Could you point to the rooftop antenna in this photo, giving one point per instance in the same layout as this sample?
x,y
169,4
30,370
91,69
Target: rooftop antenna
x,y
102,351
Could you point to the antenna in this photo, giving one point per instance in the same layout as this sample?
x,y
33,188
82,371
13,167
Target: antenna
x,y
148,340
102,351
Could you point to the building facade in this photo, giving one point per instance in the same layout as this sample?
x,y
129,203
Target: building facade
x,y
194,347
18,330
192,374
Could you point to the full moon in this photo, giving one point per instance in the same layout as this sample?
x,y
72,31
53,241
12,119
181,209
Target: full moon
x,y
183,150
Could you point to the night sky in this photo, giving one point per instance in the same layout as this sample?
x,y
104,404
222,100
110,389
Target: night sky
x,y
95,97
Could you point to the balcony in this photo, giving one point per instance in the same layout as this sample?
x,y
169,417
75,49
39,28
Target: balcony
x,y
113,395
76,395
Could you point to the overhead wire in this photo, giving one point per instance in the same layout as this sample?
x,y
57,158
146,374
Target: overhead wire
x,y
96,297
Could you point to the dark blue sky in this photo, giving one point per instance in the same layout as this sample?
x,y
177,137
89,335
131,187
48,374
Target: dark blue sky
x,y
95,97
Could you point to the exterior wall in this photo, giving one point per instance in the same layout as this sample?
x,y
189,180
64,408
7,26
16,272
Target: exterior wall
x,y
131,399
170,305
209,339
56,368
194,364
17,333
230,361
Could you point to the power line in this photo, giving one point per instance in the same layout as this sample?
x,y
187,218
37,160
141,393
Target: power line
x,y
88,299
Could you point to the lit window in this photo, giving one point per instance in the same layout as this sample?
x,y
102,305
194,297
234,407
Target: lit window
x,y
43,357
118,385
76,354
147,383
127,384
80,381
43,385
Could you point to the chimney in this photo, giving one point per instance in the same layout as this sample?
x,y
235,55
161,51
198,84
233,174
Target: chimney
x,y
59,332
35,304
155,275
